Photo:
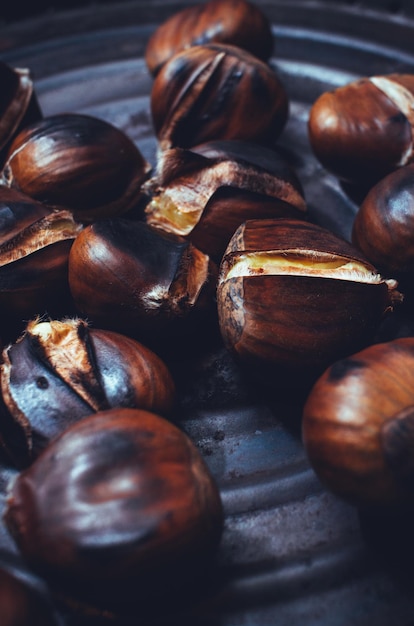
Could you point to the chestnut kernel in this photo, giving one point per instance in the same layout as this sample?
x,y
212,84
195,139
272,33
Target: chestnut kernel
x,y
128,275
236,22
217,91
358,425
119,511
77,162
384,224
293,297
204,193
58,372
363,130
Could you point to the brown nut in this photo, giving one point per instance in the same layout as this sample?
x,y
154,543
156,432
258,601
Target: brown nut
x,y
204,193
384,225
58,372
77,162
234,22
358,425
118,511
217,91
34,251
129,276
293,297
18,104
363,130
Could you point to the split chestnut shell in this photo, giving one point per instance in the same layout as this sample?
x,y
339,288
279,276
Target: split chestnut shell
x,y
358,425
58,372
293,297
120,512
235,22
363,130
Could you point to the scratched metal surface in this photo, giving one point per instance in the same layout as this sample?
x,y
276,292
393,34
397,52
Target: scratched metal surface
x,y
291,552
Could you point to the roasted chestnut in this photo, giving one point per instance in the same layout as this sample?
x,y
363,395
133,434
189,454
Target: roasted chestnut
x,y
363,130
132,277
358,425
235,22
77,162
204,193
293,297
18,104
58,372
34,250
120,511
383,228
217,91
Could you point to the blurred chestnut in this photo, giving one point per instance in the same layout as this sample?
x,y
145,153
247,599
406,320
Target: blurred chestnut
x,y
77,162
363,130
58,372
293,297
358,425
217,91
18,104
204,193
118,511
383,228
24,600
34,250
129,276
235,22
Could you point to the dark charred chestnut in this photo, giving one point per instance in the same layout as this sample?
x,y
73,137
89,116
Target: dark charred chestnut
x,y
363,130
358,425
204,193
215,91
18,104
235,22
34,250
58,372
77,162
384,225
293,297
130,276
118,511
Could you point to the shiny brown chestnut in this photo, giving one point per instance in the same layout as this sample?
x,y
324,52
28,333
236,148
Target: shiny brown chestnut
x,y
384,225
120,511
293,297
236,22
362,131
18,104
34,250
79,163
217,91
129,276
204,193
58,372
358,425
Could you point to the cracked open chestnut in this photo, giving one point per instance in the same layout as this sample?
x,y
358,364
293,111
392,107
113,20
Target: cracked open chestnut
x,y
363,130
34,250
204,193
217,91
119,511
18,104
58,372
79,163
235,22
140,280
358,425
384,225
293,297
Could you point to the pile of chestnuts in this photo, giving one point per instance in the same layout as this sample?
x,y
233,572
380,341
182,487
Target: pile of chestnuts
x,y
105,259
